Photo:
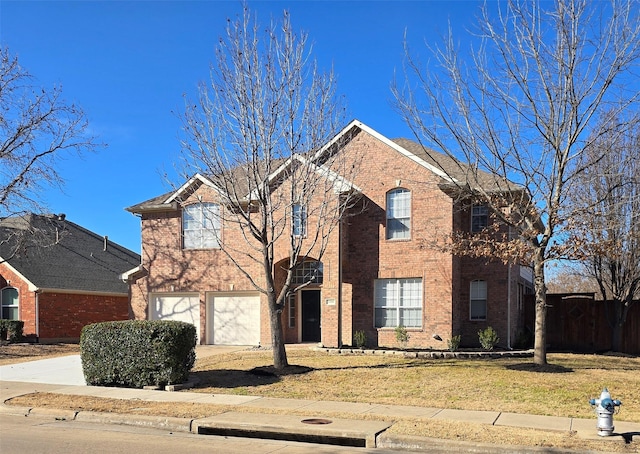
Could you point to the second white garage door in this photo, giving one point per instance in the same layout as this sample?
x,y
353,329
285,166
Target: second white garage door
x,y
233,319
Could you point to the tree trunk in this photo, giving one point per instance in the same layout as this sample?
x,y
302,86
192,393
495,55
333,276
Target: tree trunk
x,y
540,338
617,328
277,336
616,337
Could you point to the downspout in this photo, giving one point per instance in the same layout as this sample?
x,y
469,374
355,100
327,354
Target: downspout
x,y
37,293
340,233
509,301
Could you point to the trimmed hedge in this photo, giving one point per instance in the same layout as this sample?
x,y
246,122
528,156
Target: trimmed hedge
x,y
137,353
11,330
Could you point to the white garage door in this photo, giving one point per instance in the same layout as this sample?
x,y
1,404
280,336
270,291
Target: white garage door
x,y
182,308
234,319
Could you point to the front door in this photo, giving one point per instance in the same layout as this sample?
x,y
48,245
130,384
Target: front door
x,y
310,316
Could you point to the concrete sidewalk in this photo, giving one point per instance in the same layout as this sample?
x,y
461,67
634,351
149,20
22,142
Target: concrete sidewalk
x,y
370,431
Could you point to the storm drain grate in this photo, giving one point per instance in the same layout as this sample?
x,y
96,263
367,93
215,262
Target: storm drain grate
x,y
319,421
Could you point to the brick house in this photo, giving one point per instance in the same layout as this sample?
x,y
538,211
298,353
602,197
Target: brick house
x,y
378,271
58,277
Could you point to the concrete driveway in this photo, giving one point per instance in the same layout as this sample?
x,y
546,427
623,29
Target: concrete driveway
x,y
62,370
67,370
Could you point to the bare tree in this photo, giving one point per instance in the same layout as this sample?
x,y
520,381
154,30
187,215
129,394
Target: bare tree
x,y
258,132
524,106
572,279
37,129
606,199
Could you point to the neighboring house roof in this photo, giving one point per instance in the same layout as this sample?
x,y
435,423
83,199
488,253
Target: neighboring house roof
x,y
64,256
451,171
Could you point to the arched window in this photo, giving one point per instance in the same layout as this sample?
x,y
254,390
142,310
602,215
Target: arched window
x,y
9,302
308,271
398,214
201,226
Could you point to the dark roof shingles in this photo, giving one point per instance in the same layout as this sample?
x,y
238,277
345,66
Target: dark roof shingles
x,y
78,261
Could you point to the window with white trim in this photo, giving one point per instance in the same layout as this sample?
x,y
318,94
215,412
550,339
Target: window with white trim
x,y
398,214
398,302
299,220
10,303
479,218
478,300
201,226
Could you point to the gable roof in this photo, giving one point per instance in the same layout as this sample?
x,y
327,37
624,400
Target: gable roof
x,y
452,172
79,261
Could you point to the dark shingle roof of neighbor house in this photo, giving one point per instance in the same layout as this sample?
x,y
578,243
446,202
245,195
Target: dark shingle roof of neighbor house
x,y
80,260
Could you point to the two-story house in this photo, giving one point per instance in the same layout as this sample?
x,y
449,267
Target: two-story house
x,y
381,269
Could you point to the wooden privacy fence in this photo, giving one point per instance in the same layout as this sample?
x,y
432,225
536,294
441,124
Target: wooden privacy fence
x,y
579,323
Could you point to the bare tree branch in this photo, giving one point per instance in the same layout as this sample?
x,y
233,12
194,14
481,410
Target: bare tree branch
x,y
254,133
37,129
524,106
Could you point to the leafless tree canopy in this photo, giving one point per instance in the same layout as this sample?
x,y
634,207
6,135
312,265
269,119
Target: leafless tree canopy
x,y
523,104
606,225
255,131
37,128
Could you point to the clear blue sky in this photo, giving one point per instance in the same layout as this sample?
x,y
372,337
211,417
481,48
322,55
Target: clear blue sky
x,y
128,64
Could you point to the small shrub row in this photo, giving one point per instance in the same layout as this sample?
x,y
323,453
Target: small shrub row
x,y
488,339
11,330
137,353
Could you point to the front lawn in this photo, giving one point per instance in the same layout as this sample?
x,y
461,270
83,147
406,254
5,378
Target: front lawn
x,y
563,388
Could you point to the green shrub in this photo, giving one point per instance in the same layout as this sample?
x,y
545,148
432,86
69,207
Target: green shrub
x,y
11,330
360,339
488,338
137,353
402,336
454,343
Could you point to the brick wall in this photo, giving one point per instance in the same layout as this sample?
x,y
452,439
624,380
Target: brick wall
x,y
27,303
356,255
371,256
63,315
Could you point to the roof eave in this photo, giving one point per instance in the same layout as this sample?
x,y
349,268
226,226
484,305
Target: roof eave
x,y
155,208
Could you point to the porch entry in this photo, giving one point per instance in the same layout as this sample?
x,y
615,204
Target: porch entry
x,y
310,303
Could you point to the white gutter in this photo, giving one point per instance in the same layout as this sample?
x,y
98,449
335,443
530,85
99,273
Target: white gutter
x,y
37,293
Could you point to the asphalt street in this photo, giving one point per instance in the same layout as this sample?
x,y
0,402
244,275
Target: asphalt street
x,y
41,435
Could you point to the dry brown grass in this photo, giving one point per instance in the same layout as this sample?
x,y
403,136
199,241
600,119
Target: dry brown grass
x,y
18,353
562,388
510,385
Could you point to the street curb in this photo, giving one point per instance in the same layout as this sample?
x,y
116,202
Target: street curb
x,y
439,445
157,422
175,424
14,410
55,413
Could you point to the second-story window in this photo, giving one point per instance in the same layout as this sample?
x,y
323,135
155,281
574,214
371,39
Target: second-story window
x,y
398,214
299,220
201,226
479,218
